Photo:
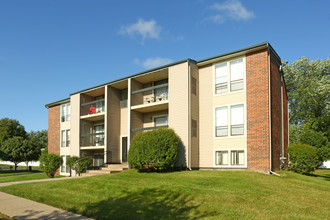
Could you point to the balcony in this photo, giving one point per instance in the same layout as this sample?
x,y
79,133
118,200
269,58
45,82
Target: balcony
x,y
92,141
148,128
151,98
93,110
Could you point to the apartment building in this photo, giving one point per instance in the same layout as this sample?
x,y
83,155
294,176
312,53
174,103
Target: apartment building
x,y
230,110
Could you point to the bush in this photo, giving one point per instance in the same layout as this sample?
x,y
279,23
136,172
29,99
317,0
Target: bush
x,y
79,165
155,149
49,163
303,158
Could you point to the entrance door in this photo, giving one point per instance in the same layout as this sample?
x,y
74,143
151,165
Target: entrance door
x,y
124,149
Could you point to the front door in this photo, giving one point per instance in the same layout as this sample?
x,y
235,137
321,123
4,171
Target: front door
x,y
124,149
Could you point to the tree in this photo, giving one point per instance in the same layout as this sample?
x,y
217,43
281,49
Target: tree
x,y
79,165
308,89
155,149
14,150
50,163
37,140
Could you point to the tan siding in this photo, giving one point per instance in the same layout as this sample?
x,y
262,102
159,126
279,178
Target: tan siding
x,y
136,98
178,108
148,118
75,125
123,121
113,125
195,116
207,103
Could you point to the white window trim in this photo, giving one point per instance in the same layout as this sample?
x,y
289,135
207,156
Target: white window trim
x,y
61,138
159,116
228,76
65,156
229,121
66,118
229,158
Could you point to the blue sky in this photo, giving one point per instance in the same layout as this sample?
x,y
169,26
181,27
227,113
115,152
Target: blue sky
x,y
49,49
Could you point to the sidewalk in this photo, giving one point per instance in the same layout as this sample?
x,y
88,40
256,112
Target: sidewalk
x,y
20,208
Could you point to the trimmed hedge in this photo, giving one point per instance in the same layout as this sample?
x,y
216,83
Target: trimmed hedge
x,y
303,158
156,149
79,165
49,163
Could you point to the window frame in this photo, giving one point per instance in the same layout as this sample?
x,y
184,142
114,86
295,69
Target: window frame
x,y
229,135
66,110
229,82
230,162
159,116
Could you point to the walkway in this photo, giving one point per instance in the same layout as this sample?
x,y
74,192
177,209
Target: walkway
x,y
20,208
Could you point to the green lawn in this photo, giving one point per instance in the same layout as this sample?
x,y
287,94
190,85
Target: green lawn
x,y
21,175
17,172
187,195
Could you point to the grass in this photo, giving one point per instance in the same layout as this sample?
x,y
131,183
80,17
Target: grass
x,y
17,172
3,216
21,175
187,195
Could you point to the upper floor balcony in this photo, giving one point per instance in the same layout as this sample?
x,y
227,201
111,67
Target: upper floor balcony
x,y
93,109
150,97
92,135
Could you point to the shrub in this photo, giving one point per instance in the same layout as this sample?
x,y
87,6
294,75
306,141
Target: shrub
x,y
303,158
49,163
155,149
79,165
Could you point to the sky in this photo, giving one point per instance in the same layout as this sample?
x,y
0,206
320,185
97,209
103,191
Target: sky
x,y
52,48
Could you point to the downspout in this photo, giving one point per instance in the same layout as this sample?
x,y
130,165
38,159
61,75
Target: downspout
x,y
270,112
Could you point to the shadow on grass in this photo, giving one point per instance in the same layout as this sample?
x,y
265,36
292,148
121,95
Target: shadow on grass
x,y
146,204
325,176
32,214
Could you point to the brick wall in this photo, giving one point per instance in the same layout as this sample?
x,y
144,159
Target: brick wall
x,y
54,129
257,99
276,112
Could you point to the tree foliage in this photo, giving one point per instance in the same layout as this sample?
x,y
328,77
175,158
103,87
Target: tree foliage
x,y
79,165
14,149
155,149
50,163
303,158
308,89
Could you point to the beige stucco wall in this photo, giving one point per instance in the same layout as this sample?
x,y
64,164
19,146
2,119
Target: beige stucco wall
x,y
178,108
195,116
75,125
207,103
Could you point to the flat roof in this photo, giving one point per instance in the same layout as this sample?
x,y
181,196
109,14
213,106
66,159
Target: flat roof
x,y
265,44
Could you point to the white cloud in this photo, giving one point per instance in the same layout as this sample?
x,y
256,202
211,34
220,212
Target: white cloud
x,y
147,29
153,62
230,9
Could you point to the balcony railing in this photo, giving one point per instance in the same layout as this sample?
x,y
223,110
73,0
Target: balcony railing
x,y
148,128
93,139
92,107
153,94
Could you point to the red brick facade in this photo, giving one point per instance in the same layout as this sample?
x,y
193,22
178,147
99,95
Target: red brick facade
x,y
54,130
257,107
276,111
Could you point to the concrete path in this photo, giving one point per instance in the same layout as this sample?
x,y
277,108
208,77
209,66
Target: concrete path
x,y
20,208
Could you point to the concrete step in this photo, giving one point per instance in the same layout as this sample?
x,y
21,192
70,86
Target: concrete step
x,y
98,171
88,174
124,165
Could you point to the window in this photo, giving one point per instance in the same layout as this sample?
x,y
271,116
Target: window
x,y
221,157
236,75
221,122
237,157
63,138
68,138
193,128
65,112
64,168
99,135
221,78
232,72
123,98
99,105
161,121
63,164
237,120
161,93
193,86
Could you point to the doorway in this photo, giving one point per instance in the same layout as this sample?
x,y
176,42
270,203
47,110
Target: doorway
x,y
124,149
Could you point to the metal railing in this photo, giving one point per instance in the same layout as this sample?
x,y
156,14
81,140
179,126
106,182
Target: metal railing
x,y
93,139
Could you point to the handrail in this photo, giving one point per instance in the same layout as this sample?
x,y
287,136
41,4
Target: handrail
x,y
149,128
92,102
149,88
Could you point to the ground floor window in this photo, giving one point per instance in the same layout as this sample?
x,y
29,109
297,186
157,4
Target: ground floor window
x,y
230,157
221,157
64,167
